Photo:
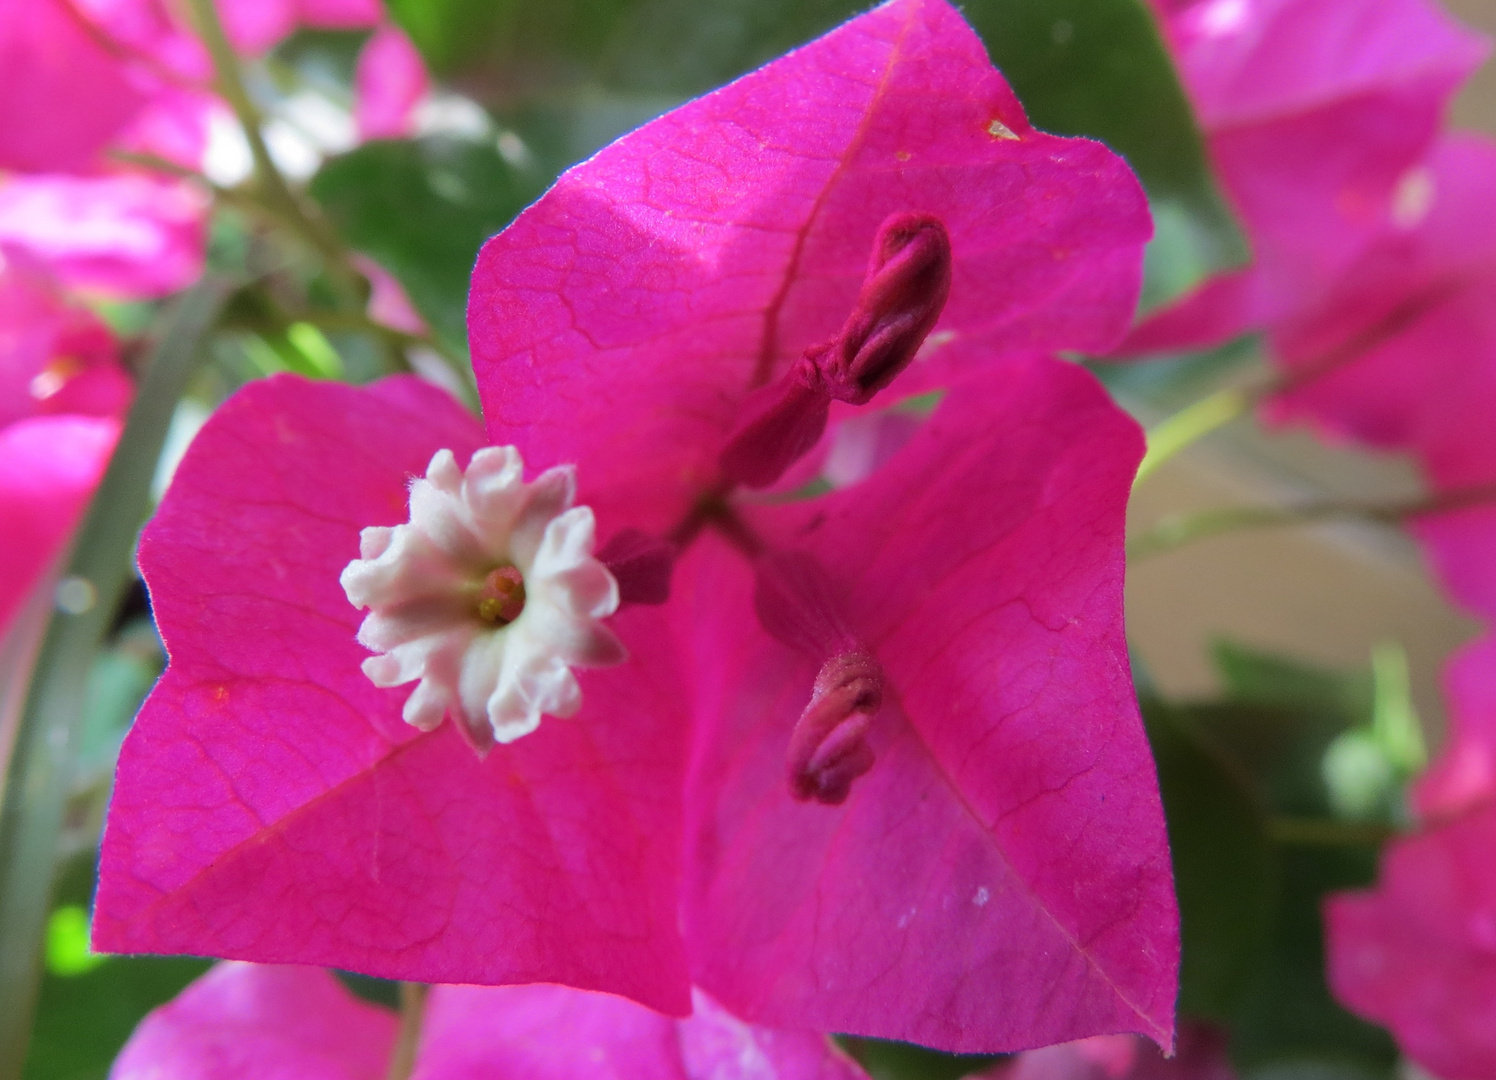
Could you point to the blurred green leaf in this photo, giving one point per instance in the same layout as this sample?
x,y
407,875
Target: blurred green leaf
x,y
1255,677
422,209
887,1060
1223,865
83,1020
1287,1019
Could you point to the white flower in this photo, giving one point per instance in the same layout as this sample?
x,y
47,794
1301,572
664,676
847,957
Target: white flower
x,y
489,595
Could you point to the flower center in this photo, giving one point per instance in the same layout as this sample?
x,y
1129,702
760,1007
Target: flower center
x,y
501,598
487,597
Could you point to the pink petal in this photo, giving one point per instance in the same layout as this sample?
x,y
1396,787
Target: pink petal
x,y
389,83
342,14
1418,954
247,1021
543,1032
271,805
63,95
1464,774
1000,879
620,321
1201,1055
54,357
1402,356
1314,114
253,26
129,235
49,467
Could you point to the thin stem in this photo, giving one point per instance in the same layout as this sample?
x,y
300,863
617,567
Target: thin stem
x,y
41,765
280,198
1192,423
1327,832
1180,529
412,1012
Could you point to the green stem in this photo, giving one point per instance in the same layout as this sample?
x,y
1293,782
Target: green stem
x,y
412,1012
1192,423
1327,832
1179,529
98,572
279,197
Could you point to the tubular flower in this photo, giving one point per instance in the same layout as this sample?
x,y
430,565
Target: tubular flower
x,y
873,763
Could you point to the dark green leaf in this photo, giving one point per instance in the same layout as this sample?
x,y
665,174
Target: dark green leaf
x,y
1287,1018
886,1060
422,209
82,1021
1223,866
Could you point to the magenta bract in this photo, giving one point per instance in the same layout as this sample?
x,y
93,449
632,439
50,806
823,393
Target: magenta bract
x,y
271,803
1418,954
1464,775
244,1021
620,322
993,875
1316,116
247,1020
61,393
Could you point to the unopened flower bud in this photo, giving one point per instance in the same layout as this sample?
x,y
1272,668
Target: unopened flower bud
x,y
908,281
828,747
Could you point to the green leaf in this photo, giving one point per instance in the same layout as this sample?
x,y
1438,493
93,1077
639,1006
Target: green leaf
x,y
884,1059
67,949
422,209
1223,865
83,1020
1287,1018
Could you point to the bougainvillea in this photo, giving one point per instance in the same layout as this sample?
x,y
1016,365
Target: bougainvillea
x,y
1317,117
748,802
61,394
247,1020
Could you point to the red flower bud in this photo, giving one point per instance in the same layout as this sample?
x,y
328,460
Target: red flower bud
x,y
828,748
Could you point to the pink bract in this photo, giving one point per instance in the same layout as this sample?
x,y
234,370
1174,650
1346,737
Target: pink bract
x,y
1200,1055
1464,775
1401,355
1418,954
49,466
248,1020
390,82
271,805
653,286
243,1021
61,390
129,235
64,95
1316,116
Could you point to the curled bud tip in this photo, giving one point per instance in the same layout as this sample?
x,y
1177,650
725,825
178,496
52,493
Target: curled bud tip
x,y
907,284
828,747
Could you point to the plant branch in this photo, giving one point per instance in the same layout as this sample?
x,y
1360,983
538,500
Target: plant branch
x,y
407,1041
1180,529
1328,832
279,197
